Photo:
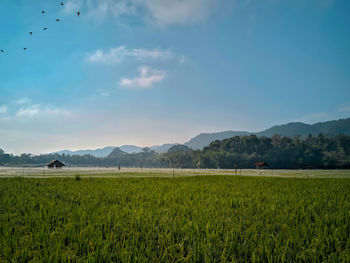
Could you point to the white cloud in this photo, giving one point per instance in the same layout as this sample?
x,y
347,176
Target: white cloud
x,y
146,79
3,109
117,54
40,110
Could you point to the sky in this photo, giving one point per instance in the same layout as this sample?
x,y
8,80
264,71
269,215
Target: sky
x,y
148,72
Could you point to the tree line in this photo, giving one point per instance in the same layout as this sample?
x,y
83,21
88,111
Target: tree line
x,y
240,151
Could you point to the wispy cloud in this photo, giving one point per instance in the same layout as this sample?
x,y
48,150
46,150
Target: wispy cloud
x,y
73,6
28,111
345,108
339,113
3,109
117,54
102,8
103,93
158,12
315,117
40,110
171,12
24,100
98,10
146,79
123,7
325,3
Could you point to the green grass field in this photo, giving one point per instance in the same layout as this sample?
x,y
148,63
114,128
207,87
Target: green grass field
x,y
189,219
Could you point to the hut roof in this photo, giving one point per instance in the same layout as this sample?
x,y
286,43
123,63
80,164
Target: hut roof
x,y
55,162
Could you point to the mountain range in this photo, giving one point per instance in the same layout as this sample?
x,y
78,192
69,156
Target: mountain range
x,y
292,129
100,152
103,152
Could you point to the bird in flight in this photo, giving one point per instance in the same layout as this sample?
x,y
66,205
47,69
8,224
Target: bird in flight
x,y
45,28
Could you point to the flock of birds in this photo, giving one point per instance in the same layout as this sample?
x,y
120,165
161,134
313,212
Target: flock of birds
x,y
45,28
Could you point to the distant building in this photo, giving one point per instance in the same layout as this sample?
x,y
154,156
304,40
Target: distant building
x,y
55,164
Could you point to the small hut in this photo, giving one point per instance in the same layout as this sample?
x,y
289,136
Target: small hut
x,y
260,165
55,164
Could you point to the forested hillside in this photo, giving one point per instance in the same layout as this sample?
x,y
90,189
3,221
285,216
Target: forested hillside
x,y
279,152
332,128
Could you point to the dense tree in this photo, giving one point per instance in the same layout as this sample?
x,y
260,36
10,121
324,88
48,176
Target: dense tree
x,y
279,152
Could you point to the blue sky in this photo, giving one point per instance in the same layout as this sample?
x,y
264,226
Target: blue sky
x,y
148,72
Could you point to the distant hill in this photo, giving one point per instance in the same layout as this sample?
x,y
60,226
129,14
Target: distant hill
x,y
334,127
101,152
130,148
204,139
116,153
162,148
179,148
293,129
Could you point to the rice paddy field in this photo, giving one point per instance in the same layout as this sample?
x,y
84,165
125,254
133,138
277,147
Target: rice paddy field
x,y
100,172
175,216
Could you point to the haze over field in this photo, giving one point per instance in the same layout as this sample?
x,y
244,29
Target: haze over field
x,y
134,73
